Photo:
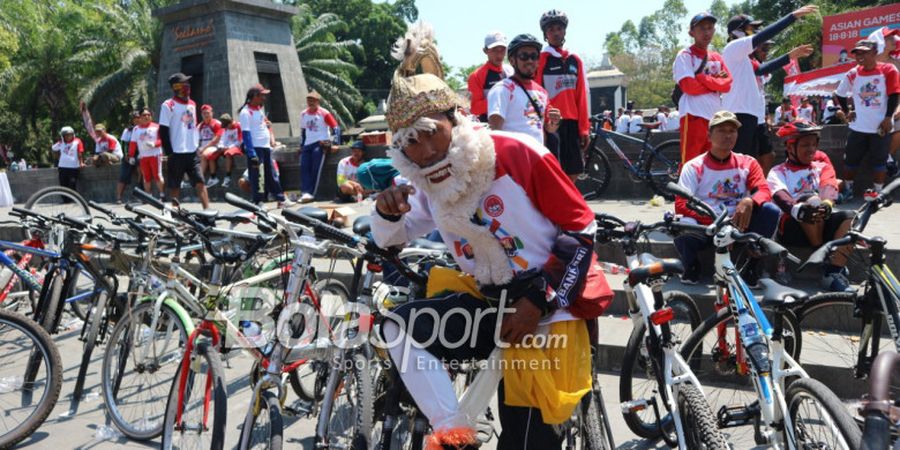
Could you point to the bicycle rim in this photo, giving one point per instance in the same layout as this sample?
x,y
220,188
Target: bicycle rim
x,y
350,418
194,431
712,358
663,165
593,182
53,201
138,368
266,427
819,418
26,400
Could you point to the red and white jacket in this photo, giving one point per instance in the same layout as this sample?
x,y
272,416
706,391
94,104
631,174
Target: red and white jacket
x,y
722,183
529,204
703,91
480,83
562,75
790,182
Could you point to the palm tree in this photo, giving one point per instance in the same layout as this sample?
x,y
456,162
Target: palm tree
x,y
322,59
126,57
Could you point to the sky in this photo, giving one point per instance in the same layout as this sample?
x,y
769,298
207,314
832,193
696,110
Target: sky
x,y
460,25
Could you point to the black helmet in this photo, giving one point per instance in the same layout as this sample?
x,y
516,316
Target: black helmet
x,y
522,40
553,16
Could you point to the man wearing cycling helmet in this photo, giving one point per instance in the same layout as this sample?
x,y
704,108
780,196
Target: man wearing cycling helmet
x,y
805,187
518,103
562,75
505,209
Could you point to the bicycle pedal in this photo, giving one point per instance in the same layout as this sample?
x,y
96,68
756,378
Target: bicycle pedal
x,y
634,406
736,416
299,408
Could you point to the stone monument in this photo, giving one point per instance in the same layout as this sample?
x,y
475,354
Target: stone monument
x,y
226,46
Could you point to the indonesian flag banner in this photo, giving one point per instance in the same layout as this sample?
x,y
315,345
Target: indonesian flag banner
x,y
792,68
819,82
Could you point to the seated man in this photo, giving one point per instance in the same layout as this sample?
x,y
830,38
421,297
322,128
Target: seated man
x,y
805,188
210,131
108,150
348,183
505,204
722,178
229,146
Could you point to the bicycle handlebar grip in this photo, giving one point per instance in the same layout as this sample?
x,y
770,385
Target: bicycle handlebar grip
x,y
321,228
772,247
100,208
147,198
72,221
241,203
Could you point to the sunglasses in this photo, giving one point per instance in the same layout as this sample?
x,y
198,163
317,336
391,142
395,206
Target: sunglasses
x,y
530,56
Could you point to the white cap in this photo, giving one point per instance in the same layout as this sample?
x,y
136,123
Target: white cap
x,y
494,39
66,130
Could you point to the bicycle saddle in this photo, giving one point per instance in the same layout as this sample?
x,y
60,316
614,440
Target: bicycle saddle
x,y
236,217
428,245
362,225
776,293
315,213
205,216
654,267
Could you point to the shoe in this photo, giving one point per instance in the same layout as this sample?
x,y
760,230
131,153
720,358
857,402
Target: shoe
x,y
212,181
119,202
837,282
306,198
286,204
691,275
226,182
892,169
751,274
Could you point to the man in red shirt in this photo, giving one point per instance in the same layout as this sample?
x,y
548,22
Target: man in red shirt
x,y
490,73
703,78
562,75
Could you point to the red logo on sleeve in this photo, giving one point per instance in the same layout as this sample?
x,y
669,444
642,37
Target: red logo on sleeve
x,y
493,206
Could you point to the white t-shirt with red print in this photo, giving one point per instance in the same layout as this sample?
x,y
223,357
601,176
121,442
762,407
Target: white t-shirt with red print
x,y
870,91
209,131
806,113
347,170
746,95
509,101
317,125
68,153
722,183
785,115
181,118
145,141
253,119
799,181
109,144
231,136
686,63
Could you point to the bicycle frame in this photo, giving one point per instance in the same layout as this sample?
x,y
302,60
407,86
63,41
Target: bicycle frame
x,y
634,168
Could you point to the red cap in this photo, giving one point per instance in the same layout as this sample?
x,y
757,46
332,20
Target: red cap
x,y
206,108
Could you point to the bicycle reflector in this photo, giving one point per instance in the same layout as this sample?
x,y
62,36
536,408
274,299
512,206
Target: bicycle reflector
x,y
662,316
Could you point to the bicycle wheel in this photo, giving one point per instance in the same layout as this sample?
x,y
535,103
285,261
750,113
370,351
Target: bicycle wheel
x,y
710,351
266,425
26,401
53,201
350,418
638,377
663,166
596,174
204,383
700,428
819,418
591,422
832,334
91,334
139,365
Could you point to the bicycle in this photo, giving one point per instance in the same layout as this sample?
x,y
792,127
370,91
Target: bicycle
x,y
29,392
760,353
854,320
656,165
651,349
880,409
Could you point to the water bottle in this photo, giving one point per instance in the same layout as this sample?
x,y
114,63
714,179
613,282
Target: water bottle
x,y
250,329
754,342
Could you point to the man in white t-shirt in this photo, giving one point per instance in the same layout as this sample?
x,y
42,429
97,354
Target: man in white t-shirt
x,y
180,139
107,150
806,111
662,119
258,147
875,88
126,167
637,119
518,103
320,134
349,188
70,149
673,119
785,113
623,121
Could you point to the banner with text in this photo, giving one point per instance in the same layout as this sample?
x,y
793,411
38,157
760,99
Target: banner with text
x,y
841,31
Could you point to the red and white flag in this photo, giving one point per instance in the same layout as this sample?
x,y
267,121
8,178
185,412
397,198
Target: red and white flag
x,y
792,68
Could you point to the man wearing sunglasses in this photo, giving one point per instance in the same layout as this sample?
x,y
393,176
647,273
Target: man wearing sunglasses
x,y
518,103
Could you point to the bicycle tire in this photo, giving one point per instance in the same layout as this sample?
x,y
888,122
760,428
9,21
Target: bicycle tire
x,y
42,344
361,413
643,423
808,388
595,179
667,170
713,369
115,366
274,439
701,430
590,422
95,320
40,201
213,361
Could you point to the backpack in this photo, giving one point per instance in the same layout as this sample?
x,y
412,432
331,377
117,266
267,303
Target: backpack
x,y
377,174
676,91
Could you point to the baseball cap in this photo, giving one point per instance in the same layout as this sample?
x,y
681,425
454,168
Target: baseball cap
x,y
66,130
206,108
740,21
865,45
358,144
178,78
495,39
705,15
724,116
99,127
257,89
